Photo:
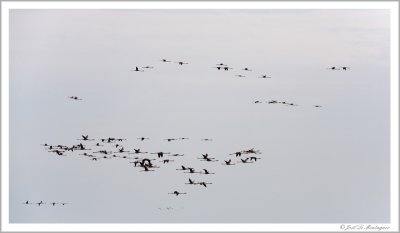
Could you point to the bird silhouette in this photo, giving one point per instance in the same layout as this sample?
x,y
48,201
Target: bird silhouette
x,y
333,68
167,161
191,182
182,63
206,139
146,169
183,168
250,151
238,154
246,160
206,172
40,203
143,138
59,152
264,76
177,193
254,158
164,60
191,170
86,154
161,154
209,159
204,183
176,155
137,69
137,151
74,97
86,138
228,162
103,152
170,139
122,150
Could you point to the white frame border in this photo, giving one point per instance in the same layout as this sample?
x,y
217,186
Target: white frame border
x,y
394,114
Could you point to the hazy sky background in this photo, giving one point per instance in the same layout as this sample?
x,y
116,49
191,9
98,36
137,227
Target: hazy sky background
x,y
319,165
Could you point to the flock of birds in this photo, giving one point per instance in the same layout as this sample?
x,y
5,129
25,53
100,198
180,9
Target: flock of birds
x,y
339,68
225,67
219,66
41,203
146,161
115,148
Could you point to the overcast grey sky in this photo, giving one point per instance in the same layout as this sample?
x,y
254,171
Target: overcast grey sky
x,y
319,165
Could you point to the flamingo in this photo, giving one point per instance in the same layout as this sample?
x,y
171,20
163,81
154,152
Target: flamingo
x,y
137,69
177,193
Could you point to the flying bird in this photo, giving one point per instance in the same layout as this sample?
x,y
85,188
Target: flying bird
x,y
206,139
176,155
74,97
177,193
143,138
183,168
40,203
191,182
137,151
206,172
228,162
254,158
204,184
237,154
246,160
333,68
167,161
137,69
240,76
86,138
160,154
170,139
